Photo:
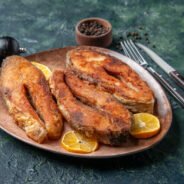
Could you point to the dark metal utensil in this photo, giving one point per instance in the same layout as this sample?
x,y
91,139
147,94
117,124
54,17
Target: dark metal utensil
x,y
9,46
164,65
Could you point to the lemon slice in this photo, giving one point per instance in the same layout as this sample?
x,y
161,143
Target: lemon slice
x,y
145,125
74,142
46,71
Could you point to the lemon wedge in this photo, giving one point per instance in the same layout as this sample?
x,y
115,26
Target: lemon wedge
x,y
45,70
75,142
145,125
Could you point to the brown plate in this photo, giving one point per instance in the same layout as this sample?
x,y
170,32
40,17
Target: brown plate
x,y
56,59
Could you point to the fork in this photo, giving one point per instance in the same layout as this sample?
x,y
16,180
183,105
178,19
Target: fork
x,y
131,50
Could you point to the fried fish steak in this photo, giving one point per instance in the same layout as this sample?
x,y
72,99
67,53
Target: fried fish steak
x,y
90,94
85,119
113,76
29,100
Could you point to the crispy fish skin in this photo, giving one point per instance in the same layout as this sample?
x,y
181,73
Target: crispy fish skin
x,y
101,100
84,118
29,100
23,114
143,94
112,76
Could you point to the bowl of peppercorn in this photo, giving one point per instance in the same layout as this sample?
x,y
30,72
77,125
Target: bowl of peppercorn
x,y
93,32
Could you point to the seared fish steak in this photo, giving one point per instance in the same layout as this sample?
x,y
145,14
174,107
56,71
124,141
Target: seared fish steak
x,y
114,77
29,100
85,119
103,101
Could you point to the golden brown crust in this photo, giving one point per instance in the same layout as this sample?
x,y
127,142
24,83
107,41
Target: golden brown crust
x,y
86,119
90,94
112,76
26,93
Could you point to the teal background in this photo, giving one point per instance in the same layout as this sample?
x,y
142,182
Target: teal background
x,y
41,25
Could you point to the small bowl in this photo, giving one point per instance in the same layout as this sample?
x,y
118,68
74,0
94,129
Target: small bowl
x,y
103,40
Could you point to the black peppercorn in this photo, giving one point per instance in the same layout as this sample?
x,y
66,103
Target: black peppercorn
x,y
92,28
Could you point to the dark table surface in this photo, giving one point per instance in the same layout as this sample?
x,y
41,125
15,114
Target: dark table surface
x,y
44,24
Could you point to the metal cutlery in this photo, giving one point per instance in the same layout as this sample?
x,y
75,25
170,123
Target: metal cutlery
x,y
178,78
132,51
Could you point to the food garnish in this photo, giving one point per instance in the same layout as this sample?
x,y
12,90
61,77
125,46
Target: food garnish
x,y
75,142
145,125
46,71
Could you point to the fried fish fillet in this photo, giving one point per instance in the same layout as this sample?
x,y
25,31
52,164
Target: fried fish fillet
x,y
113,76
84,118
90,94
29,100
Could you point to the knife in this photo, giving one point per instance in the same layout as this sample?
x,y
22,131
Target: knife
x,y
165,66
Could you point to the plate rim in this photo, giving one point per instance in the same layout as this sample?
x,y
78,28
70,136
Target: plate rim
x,y
89,156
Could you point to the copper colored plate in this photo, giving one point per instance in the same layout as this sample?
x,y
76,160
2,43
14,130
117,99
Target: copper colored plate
x,y
56,59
